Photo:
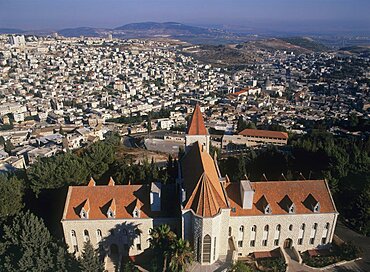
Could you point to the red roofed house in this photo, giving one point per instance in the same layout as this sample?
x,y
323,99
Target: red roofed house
x,y
255,137
217,216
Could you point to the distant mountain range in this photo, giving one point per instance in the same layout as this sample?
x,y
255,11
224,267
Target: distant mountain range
x,y
175,30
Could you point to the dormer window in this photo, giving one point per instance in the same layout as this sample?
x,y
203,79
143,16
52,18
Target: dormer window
x,y
268,209
85,208
292,209
316,208
83,214
287,204
312,204
110,213
263,205
136,213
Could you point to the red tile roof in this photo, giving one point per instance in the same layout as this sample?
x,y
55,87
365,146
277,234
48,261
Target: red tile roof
x,y
204,192
264,133
275,191
196,125
119,198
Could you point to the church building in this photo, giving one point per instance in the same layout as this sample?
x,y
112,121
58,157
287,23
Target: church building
x,y
220,218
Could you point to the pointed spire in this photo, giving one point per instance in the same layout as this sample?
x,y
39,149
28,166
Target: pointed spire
x,y
91,182
111,182
196,125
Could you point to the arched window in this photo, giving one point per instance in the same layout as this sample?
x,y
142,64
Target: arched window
x,y
277,235
252,239
241,236
301,234
265,235
86,235
207,249
290,227
74,241
98,235
313,234
325,233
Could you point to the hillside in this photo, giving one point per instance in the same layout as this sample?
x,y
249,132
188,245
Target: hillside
x,y
307,43
80,31
245,53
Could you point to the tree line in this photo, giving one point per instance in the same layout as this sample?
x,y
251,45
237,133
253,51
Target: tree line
x,y
343,161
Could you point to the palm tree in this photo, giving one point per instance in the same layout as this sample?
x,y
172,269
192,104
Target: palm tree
x,y
160,241
181,255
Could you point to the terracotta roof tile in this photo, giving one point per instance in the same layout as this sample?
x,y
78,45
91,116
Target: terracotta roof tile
x,y
205,195
121,196
276,191
196,125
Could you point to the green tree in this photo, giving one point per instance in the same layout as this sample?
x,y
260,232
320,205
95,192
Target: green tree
x,y
27,245
11,195
160,240
181,255
240,267
89,260
130,267
56,172
98,158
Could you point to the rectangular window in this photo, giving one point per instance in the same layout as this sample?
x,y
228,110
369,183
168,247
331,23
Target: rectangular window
x,y
264,243
323,240
312,241
253,243
138,246
75,248
240,243
300,241
276,242
214,249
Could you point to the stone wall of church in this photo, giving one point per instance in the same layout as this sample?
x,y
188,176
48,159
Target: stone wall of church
x,y
216,227
113,231
290,225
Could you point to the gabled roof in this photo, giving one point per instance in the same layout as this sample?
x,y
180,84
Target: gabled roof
x,y
103,197
276,191
196,125
91,182
111,182
204,192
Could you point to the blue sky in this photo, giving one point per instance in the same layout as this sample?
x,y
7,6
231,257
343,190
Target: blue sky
x,y
315,14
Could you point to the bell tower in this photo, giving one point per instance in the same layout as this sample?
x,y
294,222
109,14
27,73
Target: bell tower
x,y
197,131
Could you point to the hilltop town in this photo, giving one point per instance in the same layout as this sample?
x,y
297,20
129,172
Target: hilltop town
x,y
60,94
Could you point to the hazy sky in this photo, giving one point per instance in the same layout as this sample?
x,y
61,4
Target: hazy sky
x,y
310,14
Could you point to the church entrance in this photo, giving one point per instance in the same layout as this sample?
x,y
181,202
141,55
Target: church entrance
x,y
288,243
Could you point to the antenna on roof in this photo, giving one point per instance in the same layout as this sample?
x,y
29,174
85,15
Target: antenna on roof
x,y
309,175
300,173
246,176
263,175
282,174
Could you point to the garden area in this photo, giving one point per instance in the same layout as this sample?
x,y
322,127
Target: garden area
x,y
325,257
